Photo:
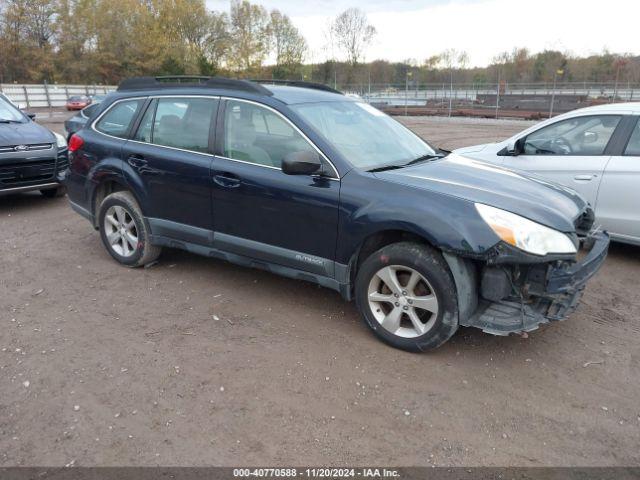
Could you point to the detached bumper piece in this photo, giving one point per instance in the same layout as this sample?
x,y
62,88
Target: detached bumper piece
x,y
517,298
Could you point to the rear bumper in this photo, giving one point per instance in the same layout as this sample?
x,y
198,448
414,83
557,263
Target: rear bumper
x,y
552,298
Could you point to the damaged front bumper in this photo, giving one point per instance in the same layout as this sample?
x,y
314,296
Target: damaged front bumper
x,y
518,297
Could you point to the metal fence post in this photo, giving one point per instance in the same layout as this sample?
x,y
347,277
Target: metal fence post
x,y
26,95
46,94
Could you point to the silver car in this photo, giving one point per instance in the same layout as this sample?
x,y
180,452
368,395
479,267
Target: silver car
x,y
594,150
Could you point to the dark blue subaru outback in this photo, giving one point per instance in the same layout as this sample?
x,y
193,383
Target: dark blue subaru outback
x,y
308,183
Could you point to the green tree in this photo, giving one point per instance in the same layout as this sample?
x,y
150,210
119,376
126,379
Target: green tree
x,y
250,37
288,45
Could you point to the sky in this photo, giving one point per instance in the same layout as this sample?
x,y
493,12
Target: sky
x,y
418,29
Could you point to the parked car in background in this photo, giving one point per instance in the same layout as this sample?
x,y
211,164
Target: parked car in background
x,y
75,123
308,183
31,157
594,150
78,102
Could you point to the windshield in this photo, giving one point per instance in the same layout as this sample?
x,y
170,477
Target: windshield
x,y
9,113
363,134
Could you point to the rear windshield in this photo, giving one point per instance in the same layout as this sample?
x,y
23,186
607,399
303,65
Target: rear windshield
x,y
77,99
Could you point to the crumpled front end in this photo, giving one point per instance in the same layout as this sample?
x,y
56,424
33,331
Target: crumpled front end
x,y
513,292
518,297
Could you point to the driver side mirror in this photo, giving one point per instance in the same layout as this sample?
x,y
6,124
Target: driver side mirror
x,y
302,163
511,150
31,115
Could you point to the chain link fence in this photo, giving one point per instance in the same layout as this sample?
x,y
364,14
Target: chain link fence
x,y
520,100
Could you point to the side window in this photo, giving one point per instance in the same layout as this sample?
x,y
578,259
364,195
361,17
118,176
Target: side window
x,y
90,110
574,136
118,119
179,123
633,147
256,134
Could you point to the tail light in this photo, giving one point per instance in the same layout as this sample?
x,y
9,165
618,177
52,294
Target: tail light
x,y
75,143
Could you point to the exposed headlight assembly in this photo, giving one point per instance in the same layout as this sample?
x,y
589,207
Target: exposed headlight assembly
x,y
61,142
525,234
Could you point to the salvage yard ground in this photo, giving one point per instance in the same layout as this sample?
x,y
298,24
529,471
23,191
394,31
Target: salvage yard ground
x,y
198,362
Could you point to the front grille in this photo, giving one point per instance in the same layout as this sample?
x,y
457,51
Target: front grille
x,y
24,173
29,148
63,162
584,222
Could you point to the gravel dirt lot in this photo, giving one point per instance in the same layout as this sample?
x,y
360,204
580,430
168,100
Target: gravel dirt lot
x,y
198,362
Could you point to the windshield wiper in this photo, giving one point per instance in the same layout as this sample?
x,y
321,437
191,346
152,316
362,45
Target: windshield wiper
x,y
9,120
394,166
385,167
423,158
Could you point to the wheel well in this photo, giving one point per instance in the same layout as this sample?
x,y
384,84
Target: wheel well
x,y
102,191
382,239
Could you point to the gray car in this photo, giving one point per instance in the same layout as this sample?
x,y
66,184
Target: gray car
x,y
75,123
594,150
31,157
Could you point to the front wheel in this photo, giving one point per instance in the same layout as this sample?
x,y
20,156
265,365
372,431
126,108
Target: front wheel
x,y
124,231
406,295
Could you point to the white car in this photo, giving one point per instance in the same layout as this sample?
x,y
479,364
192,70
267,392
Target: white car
x,y
594,150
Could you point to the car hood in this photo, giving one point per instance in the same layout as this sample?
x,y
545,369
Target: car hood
x,y
472,149
24,134
521,193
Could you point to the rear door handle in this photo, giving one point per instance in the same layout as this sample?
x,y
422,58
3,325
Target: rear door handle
x,y
227,180
584,178
136,161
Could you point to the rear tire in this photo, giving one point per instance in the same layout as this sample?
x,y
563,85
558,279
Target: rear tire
x,y
407,296
54,192
124,231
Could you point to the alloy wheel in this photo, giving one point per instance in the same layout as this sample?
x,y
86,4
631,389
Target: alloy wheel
x,y
402,301
121,231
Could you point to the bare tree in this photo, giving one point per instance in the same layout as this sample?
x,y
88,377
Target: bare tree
x,y
352,33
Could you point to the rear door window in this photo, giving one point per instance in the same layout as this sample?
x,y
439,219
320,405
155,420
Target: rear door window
x,y
182,123
118,119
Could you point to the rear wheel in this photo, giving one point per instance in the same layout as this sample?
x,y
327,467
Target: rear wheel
x,y
407,296
54,192
124,231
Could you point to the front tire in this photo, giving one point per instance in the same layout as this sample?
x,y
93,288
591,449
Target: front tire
x,y
407,296
124,231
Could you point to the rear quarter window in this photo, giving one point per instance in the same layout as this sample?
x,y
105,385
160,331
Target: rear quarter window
x,y
117,120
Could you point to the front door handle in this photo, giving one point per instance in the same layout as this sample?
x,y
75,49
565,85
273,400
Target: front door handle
x,y
584,178
136,161
227,180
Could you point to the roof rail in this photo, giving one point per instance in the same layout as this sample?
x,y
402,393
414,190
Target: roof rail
x,y
299,83
186,81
